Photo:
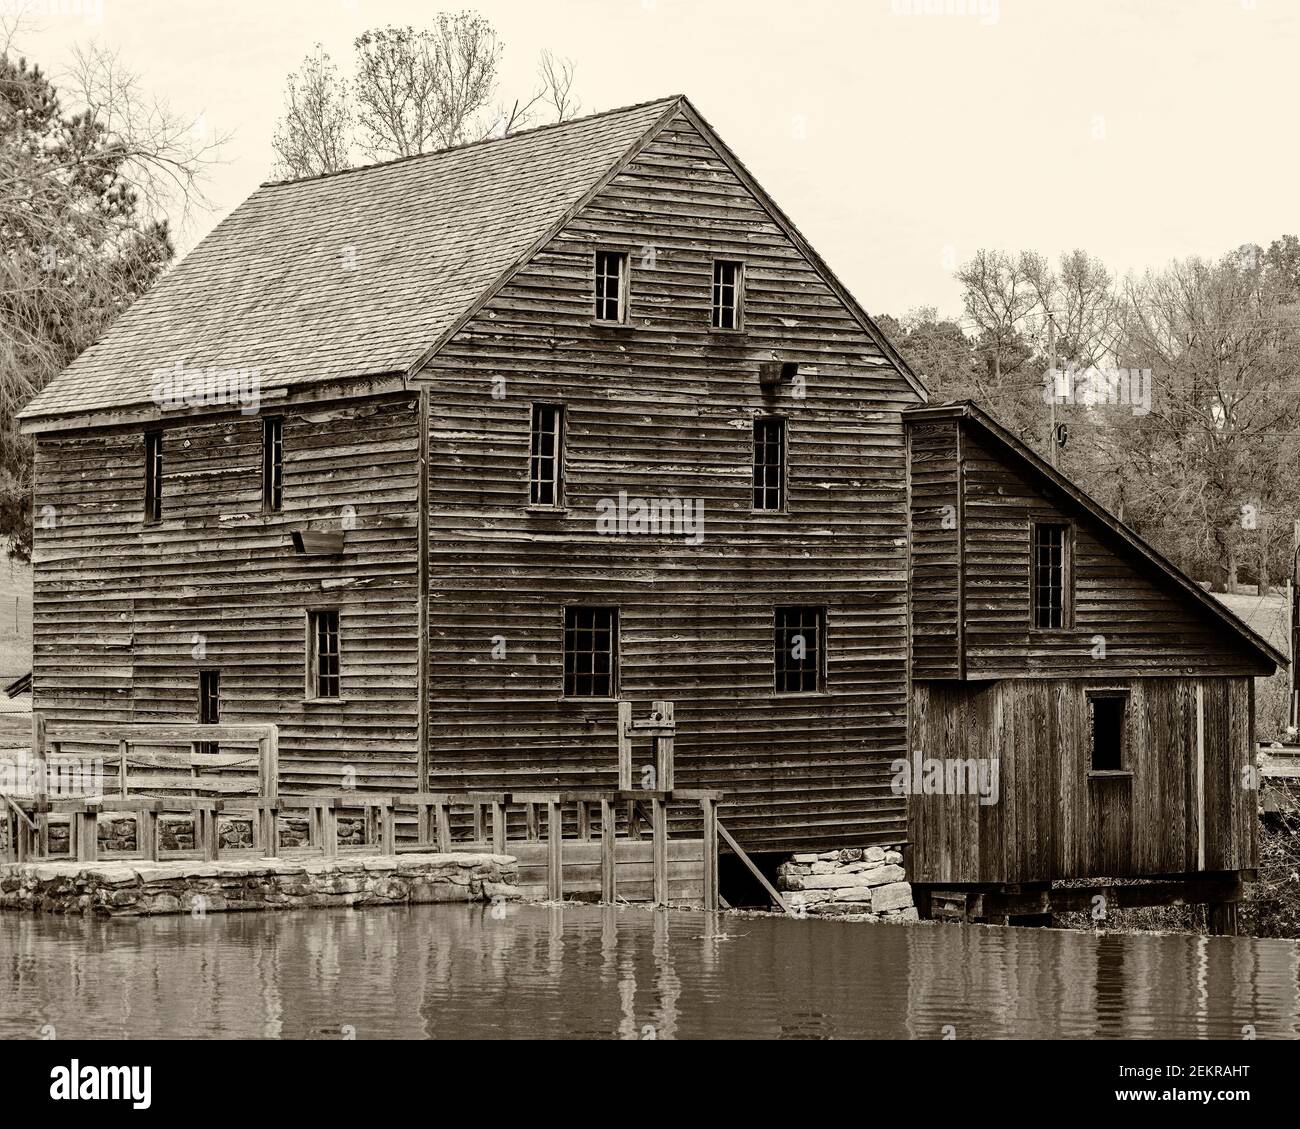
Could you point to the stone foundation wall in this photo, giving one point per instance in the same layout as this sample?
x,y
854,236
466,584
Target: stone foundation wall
x,y
128,889
865,884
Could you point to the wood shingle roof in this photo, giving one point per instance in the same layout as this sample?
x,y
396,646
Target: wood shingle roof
x,y
350,274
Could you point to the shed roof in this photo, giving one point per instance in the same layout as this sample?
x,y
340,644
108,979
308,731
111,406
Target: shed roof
x,y
1167,574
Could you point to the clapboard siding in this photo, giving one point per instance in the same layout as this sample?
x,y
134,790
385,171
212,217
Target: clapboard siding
x,y
1142,626
663,407
1052,820
936,548
126,614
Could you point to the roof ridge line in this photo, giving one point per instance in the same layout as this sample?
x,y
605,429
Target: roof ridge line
x,y
468,144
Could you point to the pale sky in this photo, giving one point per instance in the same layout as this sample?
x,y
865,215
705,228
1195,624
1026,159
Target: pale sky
x,y
898,141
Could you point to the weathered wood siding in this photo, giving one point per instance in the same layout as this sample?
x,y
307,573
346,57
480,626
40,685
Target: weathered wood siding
x,y
1052,819
934,457
663,407
1126,618
127,614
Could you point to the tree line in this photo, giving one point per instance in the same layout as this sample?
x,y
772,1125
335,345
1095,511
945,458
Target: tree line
x,y
1179,389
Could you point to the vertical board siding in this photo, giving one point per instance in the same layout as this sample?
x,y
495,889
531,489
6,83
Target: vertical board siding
x,y
1145,628
663,408
127,614
1053,820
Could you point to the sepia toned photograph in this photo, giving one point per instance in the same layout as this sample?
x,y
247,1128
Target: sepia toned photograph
x,y
648,521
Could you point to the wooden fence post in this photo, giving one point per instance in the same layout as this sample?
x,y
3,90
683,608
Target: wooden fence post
x,y
608,847
441,809
664,748
710,811
268,808
659,833
554,852
624,746
498,827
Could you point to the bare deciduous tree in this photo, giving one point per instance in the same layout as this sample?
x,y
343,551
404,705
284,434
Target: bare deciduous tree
x,y
314,135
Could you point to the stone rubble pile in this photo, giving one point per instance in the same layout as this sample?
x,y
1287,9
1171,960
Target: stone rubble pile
x,y
850,885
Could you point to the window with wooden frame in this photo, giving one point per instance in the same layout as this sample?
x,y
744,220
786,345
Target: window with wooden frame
x,y
272,464
1051,576
800,650
323,653
546,456
209,706
769,463
153,476
1107,711
590,652
611,286
728,293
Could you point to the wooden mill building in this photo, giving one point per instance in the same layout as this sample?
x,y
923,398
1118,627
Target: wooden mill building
x,y
431,462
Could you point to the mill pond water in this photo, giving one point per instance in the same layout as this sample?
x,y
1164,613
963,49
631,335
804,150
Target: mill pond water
x,y
448,971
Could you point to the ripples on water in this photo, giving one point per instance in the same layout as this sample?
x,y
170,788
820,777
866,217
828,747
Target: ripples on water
x,y
581,971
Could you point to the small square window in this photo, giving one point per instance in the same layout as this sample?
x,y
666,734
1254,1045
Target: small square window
x,y
323,653
153,442
800,650
611,286
590,652
1106,715
728,284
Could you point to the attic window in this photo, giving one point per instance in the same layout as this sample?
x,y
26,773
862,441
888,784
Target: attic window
x,y
1051,576
728,281
272,464
153,476
769,463
611,286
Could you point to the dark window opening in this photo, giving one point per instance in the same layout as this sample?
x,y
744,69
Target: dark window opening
x,y
209,706
769,464
546,457
800,650
1051,571
323,653
272,464
153,476
726,294
1107,725
590,652
611,286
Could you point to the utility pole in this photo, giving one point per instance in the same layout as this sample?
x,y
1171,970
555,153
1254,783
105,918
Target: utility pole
x,y
1051,400
1293,711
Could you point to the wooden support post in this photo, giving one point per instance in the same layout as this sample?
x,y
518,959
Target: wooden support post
x,y
146,834
441,810
269,793
270,830
633,825
387,828
664,749
480,836
424,831
659,832
709,809
554,852
1221,919
771,890
624,746
498,827
123,750
584,821
329,829
530,822
85,833
608,846
211,840
41,753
